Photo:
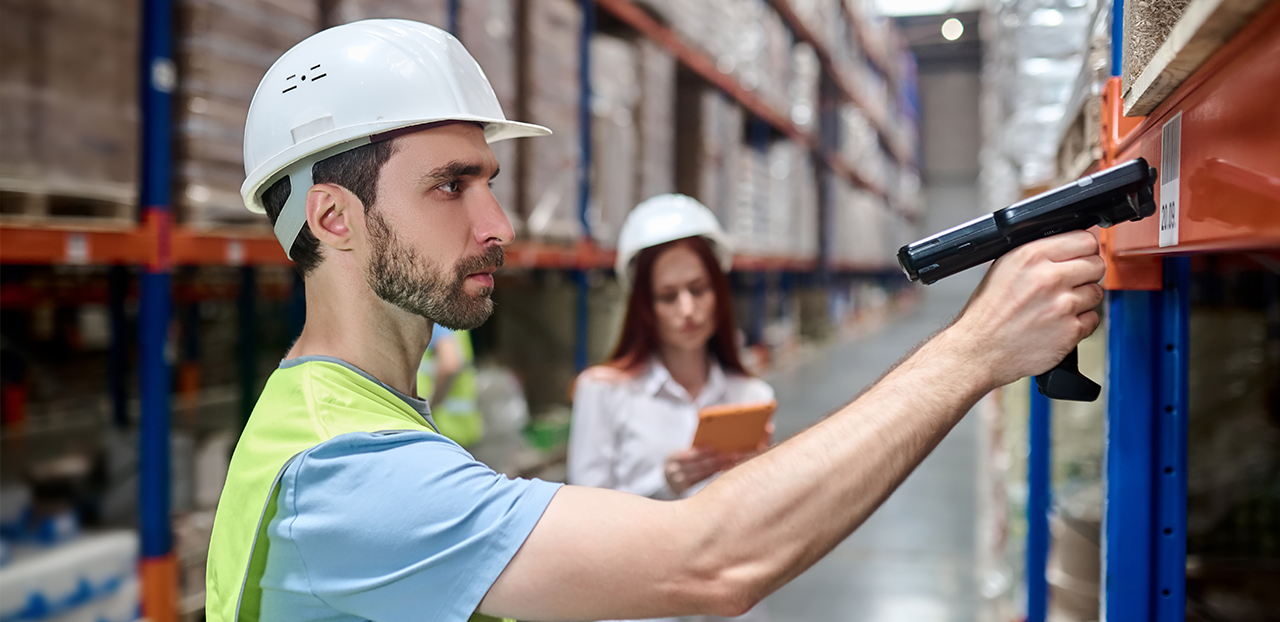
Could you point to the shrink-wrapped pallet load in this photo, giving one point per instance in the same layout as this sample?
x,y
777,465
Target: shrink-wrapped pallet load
x,y
434,12
803,210
657,120
69,105
803,89
615,153
549,166
223,48
744,220
488,29
721,136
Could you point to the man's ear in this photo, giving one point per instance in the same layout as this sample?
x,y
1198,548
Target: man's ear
x,y
329,211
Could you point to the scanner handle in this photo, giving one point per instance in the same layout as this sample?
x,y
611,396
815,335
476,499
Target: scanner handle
x,y
1065,382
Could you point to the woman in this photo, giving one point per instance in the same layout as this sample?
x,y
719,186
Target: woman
x,y
635,416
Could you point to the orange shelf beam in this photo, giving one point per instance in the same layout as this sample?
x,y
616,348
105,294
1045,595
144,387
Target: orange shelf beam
x,y
1229,177
67,244
70,243
86,244
538,255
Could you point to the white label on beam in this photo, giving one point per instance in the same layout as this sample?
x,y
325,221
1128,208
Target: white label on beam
x,y
1170,162
77,251
235,252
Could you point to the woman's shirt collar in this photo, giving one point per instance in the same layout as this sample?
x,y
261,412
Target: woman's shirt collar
x,y
657,378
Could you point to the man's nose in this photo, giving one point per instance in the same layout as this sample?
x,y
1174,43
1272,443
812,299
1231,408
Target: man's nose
x,y
491,225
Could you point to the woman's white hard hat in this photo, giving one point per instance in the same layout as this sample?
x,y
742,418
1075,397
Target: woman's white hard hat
x,y
342,87
666,218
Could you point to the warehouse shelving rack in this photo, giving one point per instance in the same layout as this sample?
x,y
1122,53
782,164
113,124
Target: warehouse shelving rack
x,y
1215,136
157,245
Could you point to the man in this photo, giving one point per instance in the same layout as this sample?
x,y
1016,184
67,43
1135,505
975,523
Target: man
x,y
342,503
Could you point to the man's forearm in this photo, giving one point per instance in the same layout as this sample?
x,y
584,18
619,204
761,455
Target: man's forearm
x,y
831,477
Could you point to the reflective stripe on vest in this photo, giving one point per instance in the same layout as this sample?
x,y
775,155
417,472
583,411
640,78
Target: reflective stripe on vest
x,y
458,415
302,406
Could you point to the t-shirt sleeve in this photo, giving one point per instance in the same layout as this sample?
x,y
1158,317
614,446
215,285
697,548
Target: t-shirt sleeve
x,y
403,526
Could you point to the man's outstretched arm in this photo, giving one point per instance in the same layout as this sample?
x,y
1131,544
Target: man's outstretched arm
x,y
602,554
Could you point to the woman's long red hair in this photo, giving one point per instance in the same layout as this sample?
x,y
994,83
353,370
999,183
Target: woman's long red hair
x,y
639,339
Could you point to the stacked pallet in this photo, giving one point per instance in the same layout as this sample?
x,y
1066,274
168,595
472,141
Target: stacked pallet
x,y
1166,41
615,98
551,92
488,29
69,108
223,48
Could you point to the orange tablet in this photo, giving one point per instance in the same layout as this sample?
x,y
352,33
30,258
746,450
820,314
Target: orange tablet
x,y
733,428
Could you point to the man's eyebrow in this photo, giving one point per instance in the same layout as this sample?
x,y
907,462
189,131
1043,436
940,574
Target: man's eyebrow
x,y
452,170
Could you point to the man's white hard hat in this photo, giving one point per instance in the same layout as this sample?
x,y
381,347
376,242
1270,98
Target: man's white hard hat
x,y
342,87
666,218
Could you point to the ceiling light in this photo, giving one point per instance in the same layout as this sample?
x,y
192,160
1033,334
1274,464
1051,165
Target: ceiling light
x,y
952,29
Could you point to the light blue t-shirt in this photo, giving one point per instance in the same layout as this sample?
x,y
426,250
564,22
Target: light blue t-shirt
x,y
393,526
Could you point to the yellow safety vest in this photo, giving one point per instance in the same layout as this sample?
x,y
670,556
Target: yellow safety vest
x,y
302,406
458,417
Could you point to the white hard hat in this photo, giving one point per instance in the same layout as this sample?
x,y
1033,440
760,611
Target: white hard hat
x,y
665,218
339,87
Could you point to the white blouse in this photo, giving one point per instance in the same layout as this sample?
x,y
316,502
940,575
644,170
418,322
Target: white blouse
x,y
624,428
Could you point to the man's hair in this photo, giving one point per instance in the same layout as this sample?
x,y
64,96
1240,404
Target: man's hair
x,y
356,170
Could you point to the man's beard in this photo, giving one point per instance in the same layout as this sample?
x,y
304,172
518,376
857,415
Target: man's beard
x,y
399,276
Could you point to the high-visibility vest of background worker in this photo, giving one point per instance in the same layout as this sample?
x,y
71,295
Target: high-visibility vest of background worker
x,y
447,380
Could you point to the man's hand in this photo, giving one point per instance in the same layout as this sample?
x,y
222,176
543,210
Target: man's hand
x,y
1035,304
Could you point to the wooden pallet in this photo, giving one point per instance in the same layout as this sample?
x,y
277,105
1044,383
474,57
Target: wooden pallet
x,y
39,201
1202,28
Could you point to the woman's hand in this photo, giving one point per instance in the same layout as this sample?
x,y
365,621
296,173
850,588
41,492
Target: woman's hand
x,y
685,468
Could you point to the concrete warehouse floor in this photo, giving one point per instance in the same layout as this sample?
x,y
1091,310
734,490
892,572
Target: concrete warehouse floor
x,y
915,559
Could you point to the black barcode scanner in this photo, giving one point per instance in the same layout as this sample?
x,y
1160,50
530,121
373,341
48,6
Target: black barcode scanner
x,y
1118,194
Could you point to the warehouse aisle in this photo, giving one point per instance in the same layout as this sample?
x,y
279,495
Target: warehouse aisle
x,y
914,559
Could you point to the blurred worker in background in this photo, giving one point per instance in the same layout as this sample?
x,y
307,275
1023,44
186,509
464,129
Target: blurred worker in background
x,y
367,147
634,417
447,380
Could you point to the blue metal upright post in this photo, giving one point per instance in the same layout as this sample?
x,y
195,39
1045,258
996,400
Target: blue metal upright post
x,y
1128,438
451,7
584,170
582,323
159,568
1171,443
1117,36
1039,502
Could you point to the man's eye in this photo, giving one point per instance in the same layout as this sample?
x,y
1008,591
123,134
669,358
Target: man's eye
x,y
450,187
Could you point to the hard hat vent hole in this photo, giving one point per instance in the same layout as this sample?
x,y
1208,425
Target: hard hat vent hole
x,y
302,78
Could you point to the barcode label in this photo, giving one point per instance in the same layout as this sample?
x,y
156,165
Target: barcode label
x,y
1170,162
